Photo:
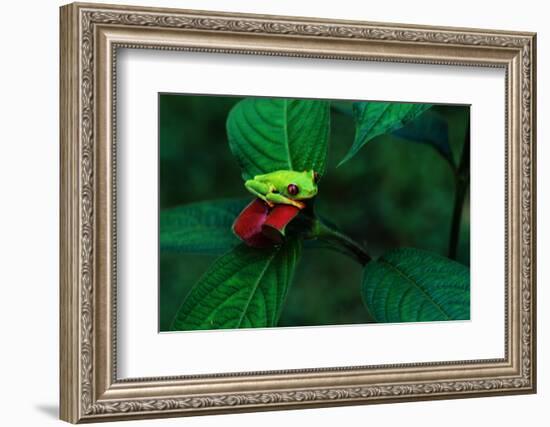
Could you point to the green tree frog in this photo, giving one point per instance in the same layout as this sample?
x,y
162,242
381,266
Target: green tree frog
x,y
284,187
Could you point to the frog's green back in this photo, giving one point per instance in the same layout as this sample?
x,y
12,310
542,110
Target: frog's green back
x,y
281,179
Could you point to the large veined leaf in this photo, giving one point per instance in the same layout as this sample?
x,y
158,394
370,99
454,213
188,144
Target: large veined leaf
x,y
430,129
377,118
269,134
203,227
410,285
244,288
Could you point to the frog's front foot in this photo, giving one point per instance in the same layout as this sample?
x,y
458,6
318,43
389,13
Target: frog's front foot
x,y
299,205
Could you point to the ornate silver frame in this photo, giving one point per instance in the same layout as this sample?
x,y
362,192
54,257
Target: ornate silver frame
x,y
90,36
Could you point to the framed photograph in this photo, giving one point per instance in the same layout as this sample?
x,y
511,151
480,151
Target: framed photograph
x,y
266,212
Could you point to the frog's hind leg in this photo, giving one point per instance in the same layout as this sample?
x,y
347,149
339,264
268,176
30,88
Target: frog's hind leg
x,y
259,189
280,199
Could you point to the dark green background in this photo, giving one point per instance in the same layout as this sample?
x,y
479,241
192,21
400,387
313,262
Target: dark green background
x,y
394,193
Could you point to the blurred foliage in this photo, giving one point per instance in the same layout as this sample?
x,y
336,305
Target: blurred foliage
x,y
393,193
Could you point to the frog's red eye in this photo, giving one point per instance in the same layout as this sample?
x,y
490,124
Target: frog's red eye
x,y
292,189
316,177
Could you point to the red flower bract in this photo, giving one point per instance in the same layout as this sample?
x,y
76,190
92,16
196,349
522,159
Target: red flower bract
x,y
277,220
260,226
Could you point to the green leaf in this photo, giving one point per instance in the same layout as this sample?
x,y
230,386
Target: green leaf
x,y
410,285
244,288
377,118
430,129
269,134
203,227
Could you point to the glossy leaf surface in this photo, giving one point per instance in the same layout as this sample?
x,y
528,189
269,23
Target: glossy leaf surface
x,y
269,134
244,288
411,285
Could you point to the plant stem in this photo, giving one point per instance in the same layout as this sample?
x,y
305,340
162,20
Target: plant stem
x,y
462,178
345,242
345,110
